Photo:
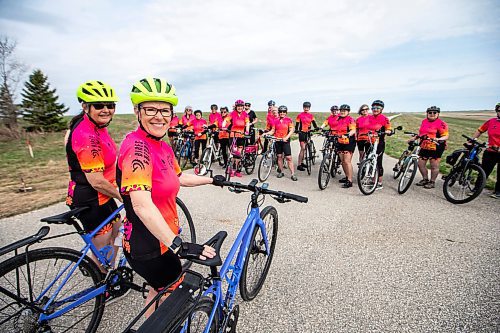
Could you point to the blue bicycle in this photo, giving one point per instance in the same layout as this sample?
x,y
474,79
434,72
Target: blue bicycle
x,y
184,148
207,304
59,289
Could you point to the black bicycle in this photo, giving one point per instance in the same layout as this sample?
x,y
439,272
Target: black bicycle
x,y
466,179
330,166
310,152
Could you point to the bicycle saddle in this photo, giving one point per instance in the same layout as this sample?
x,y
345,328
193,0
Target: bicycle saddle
x,y
216,243
64,217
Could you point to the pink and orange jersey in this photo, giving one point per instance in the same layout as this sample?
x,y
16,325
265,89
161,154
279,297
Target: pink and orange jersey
x,y
185,121
343,126
378,122
89,149
173,124
362,128
330,121
305,119
282,127
433,129
199,126
146,164
270,119
238,123
492,126
226,121
215,119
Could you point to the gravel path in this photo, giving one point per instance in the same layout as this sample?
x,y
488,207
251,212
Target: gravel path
x,y
345,262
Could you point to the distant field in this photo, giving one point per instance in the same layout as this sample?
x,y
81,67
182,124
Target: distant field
x,y
47,171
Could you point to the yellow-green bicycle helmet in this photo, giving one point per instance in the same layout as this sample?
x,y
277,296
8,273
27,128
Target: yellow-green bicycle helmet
x,y
96,91
153,90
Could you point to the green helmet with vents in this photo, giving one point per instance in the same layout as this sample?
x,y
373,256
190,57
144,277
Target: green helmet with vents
x,y
153,90
96,91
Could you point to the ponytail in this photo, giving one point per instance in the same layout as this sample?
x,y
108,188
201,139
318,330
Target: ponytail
x,y
76,119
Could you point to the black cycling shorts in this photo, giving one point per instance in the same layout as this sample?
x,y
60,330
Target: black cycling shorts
x,y
303,136
91,218
158,272
283,148
172,134
348,147
432,154
363,145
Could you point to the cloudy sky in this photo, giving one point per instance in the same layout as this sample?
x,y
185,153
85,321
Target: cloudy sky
x,y
411,54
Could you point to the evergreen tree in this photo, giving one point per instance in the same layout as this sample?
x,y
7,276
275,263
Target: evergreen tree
x,y
40,107
8,110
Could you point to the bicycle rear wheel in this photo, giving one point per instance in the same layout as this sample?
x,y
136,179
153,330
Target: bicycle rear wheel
x,y
187,230
398,168
205,161
324,171
462,186
265,166
367,176
250,163
200,315
30,274
334,170
229,168
184,156
410,167
313,152
257,261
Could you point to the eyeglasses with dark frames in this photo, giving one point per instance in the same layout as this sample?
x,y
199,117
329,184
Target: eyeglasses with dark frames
x,y
150,111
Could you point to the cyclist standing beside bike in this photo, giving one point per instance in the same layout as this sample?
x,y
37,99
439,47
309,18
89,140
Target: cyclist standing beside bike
x,y
332,118
215,118
240,125
270,118
362,128
91,156
379,122
224,134
200,136
432,127
303,126
149,178
283,129
491,156
345,128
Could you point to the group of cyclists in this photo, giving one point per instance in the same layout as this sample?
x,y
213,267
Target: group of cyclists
x,y
144,173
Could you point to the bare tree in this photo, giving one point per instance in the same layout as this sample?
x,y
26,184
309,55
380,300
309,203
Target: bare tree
x,y
11,73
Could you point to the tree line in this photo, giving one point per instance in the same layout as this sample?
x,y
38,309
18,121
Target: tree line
x,y
39,110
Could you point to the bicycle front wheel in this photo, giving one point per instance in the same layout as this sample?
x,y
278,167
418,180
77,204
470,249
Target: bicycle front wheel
x,y
398,168
257,260
324,171
410,170
186,226
205,162
462,186
35,276
367,176
313,153
184,156
308,158
265,166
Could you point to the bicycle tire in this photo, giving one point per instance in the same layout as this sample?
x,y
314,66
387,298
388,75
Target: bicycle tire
x,y
307,157
313,152
229,168
198,320
324,171
334,170
249,290
184,155
186,224
250,163
453,182
367,184
408,175
205,161
399,165
265,166
53,260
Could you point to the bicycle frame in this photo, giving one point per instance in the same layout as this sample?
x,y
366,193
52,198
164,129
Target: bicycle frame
x,y
231,273
372,152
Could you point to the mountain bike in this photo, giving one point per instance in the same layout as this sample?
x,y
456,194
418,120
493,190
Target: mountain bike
x,y
368,171
310,152
184,148
211,153
409,164
466,179
330,165
58,289
208,304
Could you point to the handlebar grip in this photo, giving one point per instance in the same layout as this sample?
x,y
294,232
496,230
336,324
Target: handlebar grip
x,y
295,197
468,138
410,133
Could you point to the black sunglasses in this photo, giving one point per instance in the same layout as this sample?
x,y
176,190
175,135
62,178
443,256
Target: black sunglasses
x,y
365,109
432,112
100,106
150,111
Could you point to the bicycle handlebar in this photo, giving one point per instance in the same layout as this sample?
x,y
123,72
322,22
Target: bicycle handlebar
x,y
474,141
280,196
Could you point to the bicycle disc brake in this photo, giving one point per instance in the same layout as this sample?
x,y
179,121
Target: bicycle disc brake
x,y
231,320
119,281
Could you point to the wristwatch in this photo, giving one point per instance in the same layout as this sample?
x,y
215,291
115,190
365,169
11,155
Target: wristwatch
x,y
176,244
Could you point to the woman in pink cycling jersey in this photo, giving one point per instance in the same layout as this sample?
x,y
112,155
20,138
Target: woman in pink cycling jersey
x,y
239,127
433,128
149,178
200,136
91,155
345,126
362,128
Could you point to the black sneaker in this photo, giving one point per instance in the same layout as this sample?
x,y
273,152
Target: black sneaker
x,y
347,184
343,180
300,168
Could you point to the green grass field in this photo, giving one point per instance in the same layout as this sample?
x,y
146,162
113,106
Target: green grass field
x,y
47,172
